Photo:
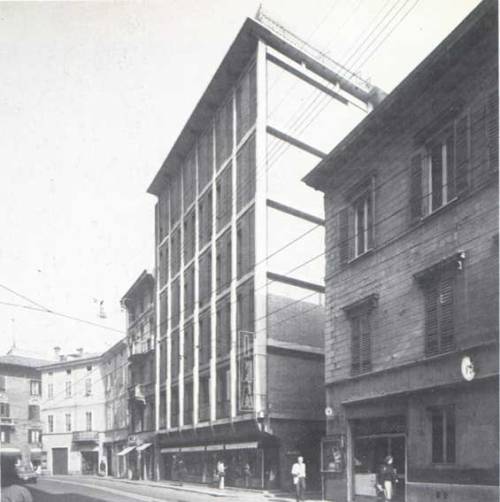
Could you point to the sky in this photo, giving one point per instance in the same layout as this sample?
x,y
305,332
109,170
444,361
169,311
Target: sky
x,y
92,97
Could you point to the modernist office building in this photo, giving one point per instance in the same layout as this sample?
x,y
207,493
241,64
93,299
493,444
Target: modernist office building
x,y
411,201
240,324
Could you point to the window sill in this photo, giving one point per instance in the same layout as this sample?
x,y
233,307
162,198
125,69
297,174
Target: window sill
x,y
361,256
437,211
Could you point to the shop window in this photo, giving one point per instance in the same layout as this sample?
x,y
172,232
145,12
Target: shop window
x,y
356,227
443,434
35,387
360,317
224,199
245,161
245,243
205,218
33,412
205,282
205,159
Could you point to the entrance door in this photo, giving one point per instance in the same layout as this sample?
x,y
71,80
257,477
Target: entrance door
x,y
89,462
369,454
60,460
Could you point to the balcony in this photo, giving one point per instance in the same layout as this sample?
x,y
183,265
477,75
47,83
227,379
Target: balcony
x,y
139,350
85,437
7,422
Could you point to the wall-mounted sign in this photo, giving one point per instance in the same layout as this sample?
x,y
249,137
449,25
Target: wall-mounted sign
x,y
333,453
328,411
467,367
245,371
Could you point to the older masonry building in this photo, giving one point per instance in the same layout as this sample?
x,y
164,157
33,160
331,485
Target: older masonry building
x,y
411,201
239,291
20,399
141,340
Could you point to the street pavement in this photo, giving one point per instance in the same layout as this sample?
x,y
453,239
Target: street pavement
x,y
93,489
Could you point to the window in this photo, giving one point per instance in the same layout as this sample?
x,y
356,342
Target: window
x,y
204,398
223,261
356,228
223,318
33,412
360,317
88,386
88,421
68,389
35,387
224,200
205,277
50,391
34,436
245,243
68,422
3,386
4,410
50,423
443,434
4,436
188,403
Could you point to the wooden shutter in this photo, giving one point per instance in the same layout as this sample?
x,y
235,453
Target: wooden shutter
x,y
492,130
431,320
462,155
437,175
450,168
365,345
343,240
355,346
416,188
446,324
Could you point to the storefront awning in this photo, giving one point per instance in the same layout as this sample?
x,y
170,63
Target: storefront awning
x,y
242,446
215,447
170,450
126,450
192,448
143,446
10,452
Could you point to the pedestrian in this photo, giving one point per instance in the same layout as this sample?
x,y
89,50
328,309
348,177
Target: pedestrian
x,y
10,485
247,473
387,478
181,471
221,472
299,478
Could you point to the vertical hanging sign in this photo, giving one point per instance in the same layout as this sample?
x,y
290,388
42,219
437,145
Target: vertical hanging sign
x,y
245,371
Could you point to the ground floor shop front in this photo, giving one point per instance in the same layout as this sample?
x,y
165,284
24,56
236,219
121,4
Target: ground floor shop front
x,y
137,456
252,458
444,442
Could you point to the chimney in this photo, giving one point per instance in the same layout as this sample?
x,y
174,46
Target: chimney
x,y
57,351
79,351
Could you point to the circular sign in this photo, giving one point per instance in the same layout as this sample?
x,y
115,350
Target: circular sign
x,y
328,411
468,371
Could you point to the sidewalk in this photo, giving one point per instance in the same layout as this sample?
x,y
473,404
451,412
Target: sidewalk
x,y
229,492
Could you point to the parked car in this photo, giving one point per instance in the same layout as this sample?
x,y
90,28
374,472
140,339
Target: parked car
x,y
26,473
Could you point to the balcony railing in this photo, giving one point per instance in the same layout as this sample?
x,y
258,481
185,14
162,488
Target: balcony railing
x,y
7,422
85,437
140,349
138,392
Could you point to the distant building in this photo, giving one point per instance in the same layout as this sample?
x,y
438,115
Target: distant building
x,y
114,374
73,414
20,398
411,203
141,340
240,325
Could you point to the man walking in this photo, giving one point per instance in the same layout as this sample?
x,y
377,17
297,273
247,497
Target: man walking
x,y
299,478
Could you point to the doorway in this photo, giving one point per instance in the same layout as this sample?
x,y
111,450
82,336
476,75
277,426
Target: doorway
x,y
60,461
369,454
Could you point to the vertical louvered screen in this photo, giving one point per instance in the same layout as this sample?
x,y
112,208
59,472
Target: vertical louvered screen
x,y
175,197
416,201
163,313
246,173
462,155
246,103
224,197
163,216
205,218
188,348
205,282
176,251
224,133
175,306
343,236
163,360
205,337
174,364
189,291
492,130
431,320
189,235
163,264
446,324
189,180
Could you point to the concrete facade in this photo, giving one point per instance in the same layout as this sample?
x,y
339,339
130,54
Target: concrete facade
x,y
412,280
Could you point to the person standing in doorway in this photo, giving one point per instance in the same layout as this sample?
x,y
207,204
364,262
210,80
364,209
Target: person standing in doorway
x,y
299,478
387,478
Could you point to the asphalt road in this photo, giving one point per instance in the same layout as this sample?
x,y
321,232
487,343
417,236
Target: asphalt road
x,y
80,489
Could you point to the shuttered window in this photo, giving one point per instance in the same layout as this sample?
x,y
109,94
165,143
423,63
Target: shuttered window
x,y
443,434
360,343
189,291
174,407
163,264
205,338
245,162
205,282
188,403
223,261
205,218
223,340
224,199
163,360
189,235
176,251
188,348
163,223
175,306
439,315
174,363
